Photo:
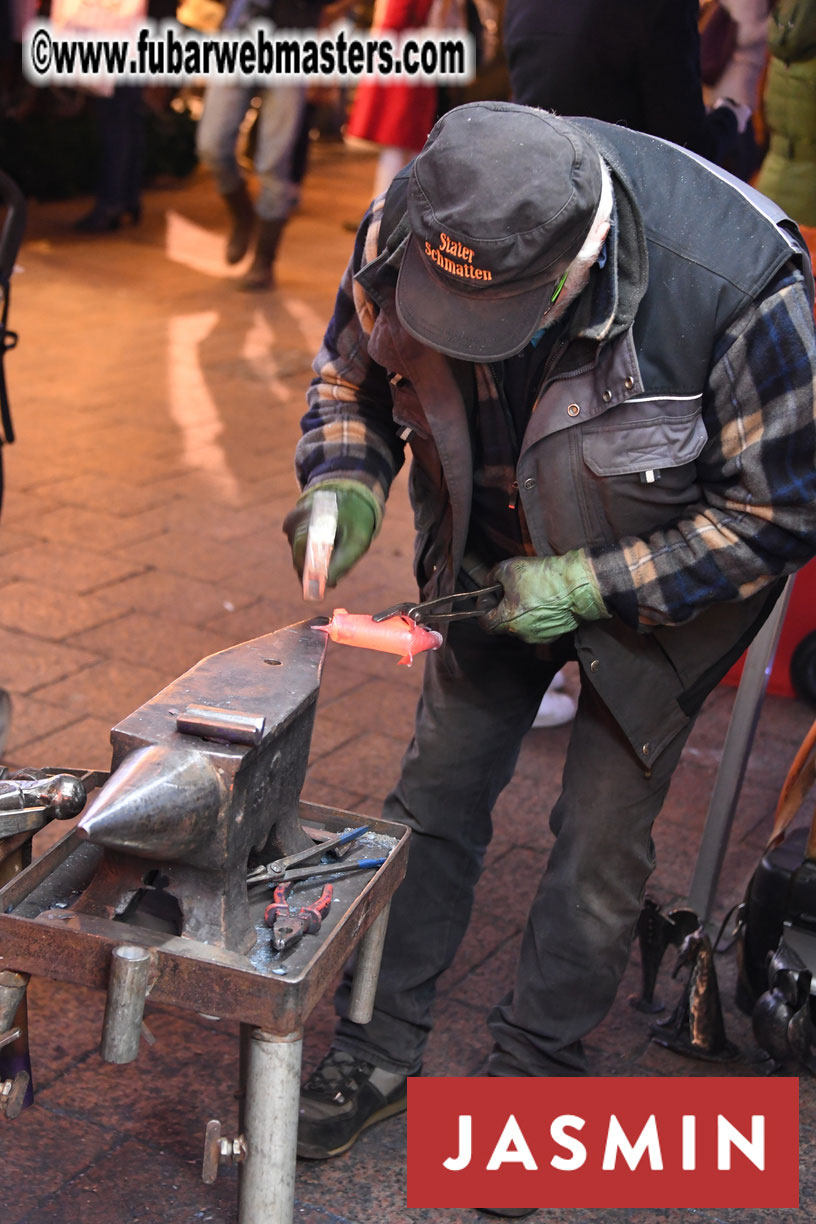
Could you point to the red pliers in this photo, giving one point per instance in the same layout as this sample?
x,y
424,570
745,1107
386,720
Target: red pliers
x,y
288,926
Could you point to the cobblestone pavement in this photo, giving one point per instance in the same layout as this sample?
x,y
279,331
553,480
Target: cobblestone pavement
x,y
157,410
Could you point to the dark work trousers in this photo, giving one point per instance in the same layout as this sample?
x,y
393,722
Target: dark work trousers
x,y
479,698
121,130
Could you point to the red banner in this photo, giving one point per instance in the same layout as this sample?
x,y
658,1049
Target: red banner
x,y
634,1142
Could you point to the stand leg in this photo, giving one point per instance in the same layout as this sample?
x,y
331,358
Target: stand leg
x,y
367,969
267,1176
734,760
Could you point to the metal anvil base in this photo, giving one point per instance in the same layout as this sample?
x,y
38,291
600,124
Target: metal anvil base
x,y
205,776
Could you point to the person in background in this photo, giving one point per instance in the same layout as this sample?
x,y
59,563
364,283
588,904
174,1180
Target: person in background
x,y
631,62
394,114
733,37
120,122
741,73
279,127
788,173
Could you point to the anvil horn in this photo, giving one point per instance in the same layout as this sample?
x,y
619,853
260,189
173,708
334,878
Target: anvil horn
x,y
161,803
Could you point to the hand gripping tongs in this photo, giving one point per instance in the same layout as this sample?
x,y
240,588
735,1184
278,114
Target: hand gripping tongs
x,y
484,599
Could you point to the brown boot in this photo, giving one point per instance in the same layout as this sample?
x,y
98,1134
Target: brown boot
x,y
243,222
260,275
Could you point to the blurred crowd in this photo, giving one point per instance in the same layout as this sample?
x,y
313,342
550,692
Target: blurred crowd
x,y
733,80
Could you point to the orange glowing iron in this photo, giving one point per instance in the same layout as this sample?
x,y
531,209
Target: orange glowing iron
x,y
398,635
399,629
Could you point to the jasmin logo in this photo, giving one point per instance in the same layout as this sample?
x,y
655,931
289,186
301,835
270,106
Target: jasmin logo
x,y
456,258
512,1146
703,1142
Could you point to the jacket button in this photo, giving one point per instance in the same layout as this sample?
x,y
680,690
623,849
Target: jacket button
x,y
573,410
629,382
594,665
529,483
646,749
607,396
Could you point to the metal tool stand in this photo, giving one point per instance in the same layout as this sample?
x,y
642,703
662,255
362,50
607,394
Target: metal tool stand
x,y
270,994
16,1090
734,760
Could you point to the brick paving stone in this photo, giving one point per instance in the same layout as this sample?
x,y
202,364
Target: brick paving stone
x,y
135,1182
192,553
331,732
23,507
38,1132
64,1027
189,600
79,570
152,641
69,524
162,1097
373,763
346,798
105,494
260,616
110,689
389,706
12,541
84,744
51,612
27,663
31,719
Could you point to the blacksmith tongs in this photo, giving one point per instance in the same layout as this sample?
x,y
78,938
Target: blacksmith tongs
x,y
278,868
484,599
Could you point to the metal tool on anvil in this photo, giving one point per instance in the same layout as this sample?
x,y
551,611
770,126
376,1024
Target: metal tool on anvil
x,y
12,1090
319,543
277,869
485,599
340,868
27,802
288,926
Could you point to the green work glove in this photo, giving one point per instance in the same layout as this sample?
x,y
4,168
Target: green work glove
x,y
545,597
358,521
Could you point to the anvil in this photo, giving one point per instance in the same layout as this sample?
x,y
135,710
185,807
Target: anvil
x,y
205,781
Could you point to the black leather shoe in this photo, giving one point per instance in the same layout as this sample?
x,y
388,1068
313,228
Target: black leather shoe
x,y
104,218
517,1212
341,1099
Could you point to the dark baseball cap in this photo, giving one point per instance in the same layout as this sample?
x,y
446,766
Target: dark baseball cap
x,y
500,201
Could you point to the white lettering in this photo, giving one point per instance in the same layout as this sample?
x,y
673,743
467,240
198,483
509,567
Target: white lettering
x,y
558,1131
616,1140
455,1163
512,1148
689,1141
728,1136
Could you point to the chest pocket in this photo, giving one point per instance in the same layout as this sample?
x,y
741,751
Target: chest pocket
x,y
646,436
407,410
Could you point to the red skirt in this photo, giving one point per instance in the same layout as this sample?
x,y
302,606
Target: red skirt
x,y
398,114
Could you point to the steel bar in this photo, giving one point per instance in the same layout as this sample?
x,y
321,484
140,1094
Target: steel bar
x,y
26,820
6,1039
127,990
367,969
734,760
211,722
267,1177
